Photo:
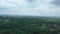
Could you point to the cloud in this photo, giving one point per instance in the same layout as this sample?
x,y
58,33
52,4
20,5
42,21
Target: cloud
x,y
29,7
56,2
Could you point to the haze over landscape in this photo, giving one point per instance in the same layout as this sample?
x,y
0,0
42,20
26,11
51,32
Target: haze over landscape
x,y
30,7
29,16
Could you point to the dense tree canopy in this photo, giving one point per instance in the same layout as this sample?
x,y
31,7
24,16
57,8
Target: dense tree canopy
x,y
29,25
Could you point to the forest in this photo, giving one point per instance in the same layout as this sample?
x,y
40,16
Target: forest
x,y
29,25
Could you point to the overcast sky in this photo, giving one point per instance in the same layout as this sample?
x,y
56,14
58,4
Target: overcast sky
x,y
30,7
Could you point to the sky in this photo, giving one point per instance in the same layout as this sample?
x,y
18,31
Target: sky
x,y
30,7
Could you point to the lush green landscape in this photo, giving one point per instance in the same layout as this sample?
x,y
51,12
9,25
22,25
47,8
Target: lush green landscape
x,y
29,25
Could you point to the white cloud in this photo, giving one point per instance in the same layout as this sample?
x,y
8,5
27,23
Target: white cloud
x,y
36,7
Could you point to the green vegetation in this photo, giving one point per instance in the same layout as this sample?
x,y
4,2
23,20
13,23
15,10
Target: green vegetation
x,y
29,25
